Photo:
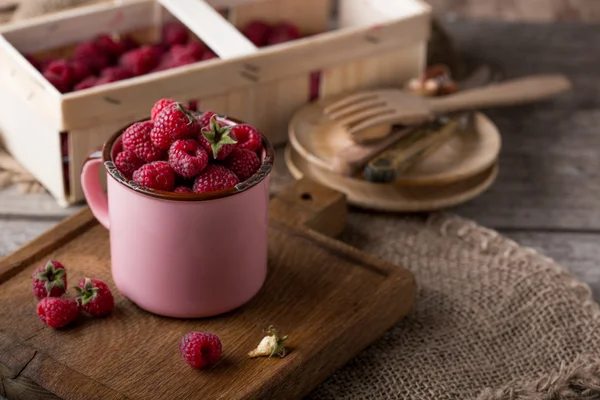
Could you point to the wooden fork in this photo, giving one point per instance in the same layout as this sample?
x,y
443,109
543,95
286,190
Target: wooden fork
x,y
367,109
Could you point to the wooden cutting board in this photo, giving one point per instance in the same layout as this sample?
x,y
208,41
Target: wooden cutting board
x,y
332,300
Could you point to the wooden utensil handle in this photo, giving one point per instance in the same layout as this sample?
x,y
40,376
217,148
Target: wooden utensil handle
x,y
508,93
352,158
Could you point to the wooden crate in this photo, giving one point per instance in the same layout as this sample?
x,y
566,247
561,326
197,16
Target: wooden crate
x,y
376,43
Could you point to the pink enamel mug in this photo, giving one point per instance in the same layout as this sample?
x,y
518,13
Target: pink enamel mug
x,y
183,255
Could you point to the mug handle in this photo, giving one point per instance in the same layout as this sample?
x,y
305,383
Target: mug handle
x,y
92,188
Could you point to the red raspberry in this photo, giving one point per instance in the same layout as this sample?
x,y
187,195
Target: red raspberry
x,y
257,32
140,61
242,162
137,139
57,82
282,33
57,312
44,63
175,33
129,43
109,46
127,163
92,55
208,55
49,280
200,349
173,61
157,175
33,61
115,73
172,123
194,50
104,80
248,137
215,177
183,189
204,121
315,85
87,83
218,140
95,297
159,106
81,70
187,158
60,74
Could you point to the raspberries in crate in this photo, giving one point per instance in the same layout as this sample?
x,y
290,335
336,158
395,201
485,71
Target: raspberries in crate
x,y
263,34
181,151
106,58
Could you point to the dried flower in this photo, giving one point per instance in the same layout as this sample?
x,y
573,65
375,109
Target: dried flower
x,y
270,345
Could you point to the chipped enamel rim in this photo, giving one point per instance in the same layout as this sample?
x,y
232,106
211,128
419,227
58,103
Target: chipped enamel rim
x,y
259,176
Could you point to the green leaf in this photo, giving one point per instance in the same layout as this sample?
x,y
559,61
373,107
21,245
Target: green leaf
x,y
226,139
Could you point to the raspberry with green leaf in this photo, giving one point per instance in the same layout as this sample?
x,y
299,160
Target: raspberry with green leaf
x,y
95,297
217,139
50,280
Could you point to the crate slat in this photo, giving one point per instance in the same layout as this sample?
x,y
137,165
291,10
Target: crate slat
x,y
19,75
33,142
78,25
389,69
284,96
211,27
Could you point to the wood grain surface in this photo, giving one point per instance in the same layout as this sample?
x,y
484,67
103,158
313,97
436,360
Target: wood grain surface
x,y
331,299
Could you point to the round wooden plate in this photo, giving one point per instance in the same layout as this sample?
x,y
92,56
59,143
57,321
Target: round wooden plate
x,y
389,197
467,153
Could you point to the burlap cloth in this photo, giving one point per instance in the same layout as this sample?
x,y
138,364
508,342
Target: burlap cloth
x,y
492,321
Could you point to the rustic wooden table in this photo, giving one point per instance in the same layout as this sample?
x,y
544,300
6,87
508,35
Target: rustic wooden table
x,y
547,195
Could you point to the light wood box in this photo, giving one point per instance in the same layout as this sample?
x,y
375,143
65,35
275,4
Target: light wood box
x,y
376,43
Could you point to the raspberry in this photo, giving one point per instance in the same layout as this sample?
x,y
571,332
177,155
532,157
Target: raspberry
x,y
200,349
87,83
187,158
57,312
81,71
137,139
95,297
208,55
282,33
257,32
92,55
242,162
204,121
214,177
183,189
175,33
248,137
44,63
49,280
104,80
192,49
109,46
60,74
140,61
173,123
116,73
218,140
157,175
170,60
159,106
129,43
57,82
33,61
127,163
